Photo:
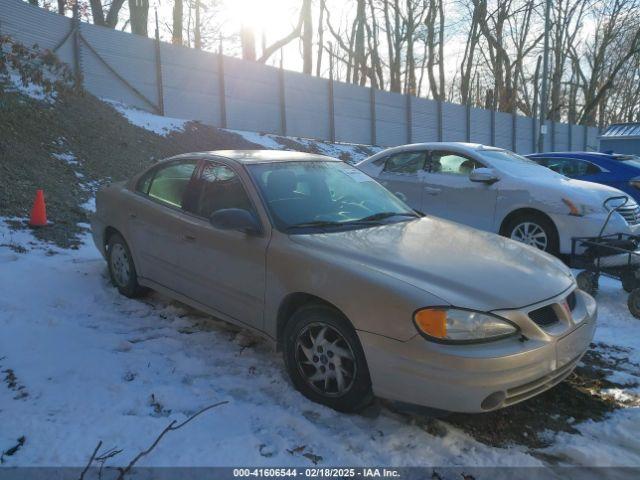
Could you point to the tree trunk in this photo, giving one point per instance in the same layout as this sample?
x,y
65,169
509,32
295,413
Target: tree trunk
x,y
177,23
139,16
320,37
61,6
197,40
307,38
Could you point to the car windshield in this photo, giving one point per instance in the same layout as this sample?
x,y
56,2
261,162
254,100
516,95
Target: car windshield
x,y
311,195
515,164
633,160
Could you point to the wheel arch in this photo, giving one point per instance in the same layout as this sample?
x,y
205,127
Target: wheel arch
x,y
291,303
109,232
521,212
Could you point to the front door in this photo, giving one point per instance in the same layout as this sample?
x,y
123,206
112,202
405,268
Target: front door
x,y
401,175
449,194
226,267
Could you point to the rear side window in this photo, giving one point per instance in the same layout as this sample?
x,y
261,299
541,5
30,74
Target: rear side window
x,y
168,184
405,162
218,188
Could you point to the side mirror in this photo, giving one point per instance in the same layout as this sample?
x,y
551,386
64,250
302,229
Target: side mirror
x,y
235,219
483,175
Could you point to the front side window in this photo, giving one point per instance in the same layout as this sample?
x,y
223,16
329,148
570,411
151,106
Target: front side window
x,y
218,188
571,167
452,163
324,194
405,162
168,184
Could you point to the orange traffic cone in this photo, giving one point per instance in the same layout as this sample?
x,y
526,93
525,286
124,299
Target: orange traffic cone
x,y
39,211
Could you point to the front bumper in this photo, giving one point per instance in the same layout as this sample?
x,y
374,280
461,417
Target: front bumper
x,y
570,226
486,376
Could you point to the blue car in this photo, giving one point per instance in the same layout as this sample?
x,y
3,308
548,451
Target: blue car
x,y
616,170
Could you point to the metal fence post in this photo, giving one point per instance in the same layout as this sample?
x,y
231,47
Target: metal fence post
x,y
283,105
514,131
468,122
372,116
332,117
77,64
570,137
553,135
585,137
534,131
159,83
440,121
493,127
222,88
409,118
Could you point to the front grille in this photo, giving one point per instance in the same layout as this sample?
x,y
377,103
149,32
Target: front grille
x,y
544,316
631,213
571,300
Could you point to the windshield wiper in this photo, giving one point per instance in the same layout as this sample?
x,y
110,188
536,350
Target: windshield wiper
x,y
317,223
382,215
361,221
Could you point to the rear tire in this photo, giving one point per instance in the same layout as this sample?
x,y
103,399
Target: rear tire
x,y
325,360
533,229
633,303
121,268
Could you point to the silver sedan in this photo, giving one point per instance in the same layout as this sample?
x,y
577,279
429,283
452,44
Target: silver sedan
x,y
499,191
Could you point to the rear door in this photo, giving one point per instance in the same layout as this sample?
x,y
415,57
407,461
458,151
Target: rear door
x,y
156,221
449,194
226,268
402,176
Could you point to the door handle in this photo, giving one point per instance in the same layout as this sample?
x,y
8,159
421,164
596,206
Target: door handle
x,y
189,238
432,191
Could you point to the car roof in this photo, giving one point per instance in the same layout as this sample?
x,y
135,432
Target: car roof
x,y
259,156
455,146
573,154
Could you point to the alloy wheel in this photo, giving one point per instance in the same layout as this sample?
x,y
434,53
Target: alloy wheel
x,y
120,264
325,360
530,233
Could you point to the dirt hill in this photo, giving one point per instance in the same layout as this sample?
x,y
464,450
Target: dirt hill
x,y
73,144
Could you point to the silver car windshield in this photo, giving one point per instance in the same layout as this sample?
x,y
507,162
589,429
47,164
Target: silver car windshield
x,y
303,196
515,164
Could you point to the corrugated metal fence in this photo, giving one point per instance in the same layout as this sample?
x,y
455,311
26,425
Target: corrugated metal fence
x,y
228,92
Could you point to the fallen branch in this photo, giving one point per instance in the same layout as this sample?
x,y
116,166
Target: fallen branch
x,y
169,428
93,456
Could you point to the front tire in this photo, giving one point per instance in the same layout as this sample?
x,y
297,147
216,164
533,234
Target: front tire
x,y
325,360
535,230
121,268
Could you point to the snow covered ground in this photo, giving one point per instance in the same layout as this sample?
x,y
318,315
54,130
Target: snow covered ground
x,y
80,363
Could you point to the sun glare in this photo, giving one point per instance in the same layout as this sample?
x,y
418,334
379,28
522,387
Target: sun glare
x,y
274,18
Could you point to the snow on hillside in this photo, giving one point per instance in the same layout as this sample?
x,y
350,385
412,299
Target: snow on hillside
x,y
166,125
155,123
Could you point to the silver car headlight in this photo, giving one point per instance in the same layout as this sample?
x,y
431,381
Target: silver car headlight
x,y
580,209
455,325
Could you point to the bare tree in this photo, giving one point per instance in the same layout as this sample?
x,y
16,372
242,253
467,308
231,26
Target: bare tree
x,y
139,16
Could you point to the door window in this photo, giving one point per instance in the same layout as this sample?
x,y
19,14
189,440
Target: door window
x,y
168,183
405,162
571,167
452,163
218,188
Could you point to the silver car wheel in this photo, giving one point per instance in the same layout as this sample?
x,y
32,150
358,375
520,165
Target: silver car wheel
x,y
325,360
531,234
120,265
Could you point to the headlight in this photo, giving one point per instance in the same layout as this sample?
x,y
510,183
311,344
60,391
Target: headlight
x,y
580,209
452,325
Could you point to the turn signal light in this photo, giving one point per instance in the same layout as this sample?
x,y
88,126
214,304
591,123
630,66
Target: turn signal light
x,y
433,322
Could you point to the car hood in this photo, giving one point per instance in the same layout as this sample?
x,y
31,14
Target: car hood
x,y
463,266
577,191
